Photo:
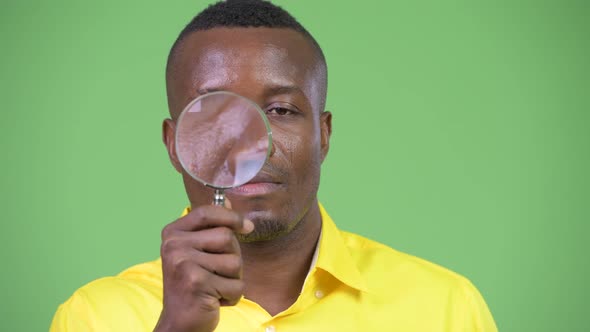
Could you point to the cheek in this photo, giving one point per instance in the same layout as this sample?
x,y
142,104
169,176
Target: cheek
x,y
301,150
197,193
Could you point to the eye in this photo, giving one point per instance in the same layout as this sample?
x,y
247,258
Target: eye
x,y
279,111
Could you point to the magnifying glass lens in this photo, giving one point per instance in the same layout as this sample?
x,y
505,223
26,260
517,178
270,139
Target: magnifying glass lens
x,y
222,139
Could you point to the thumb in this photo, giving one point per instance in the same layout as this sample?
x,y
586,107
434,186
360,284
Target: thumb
x,y
247,224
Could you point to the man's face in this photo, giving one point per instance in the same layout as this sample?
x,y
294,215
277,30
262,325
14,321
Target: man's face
x,y
280,71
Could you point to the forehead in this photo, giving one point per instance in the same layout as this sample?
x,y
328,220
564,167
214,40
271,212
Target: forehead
x,y
247,61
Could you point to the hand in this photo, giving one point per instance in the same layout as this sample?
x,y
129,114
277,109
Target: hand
x,y
202,268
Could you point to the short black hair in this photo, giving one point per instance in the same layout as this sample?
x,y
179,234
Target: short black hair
x,y
244,14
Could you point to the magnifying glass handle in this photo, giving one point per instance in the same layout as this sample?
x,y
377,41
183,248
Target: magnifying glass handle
x,y
219,197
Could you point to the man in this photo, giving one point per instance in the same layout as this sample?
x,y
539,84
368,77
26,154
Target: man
x,y
272,260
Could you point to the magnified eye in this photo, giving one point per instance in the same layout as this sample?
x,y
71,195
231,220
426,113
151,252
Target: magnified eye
x,y
279,111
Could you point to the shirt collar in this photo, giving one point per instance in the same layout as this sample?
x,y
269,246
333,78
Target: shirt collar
x,y
332,255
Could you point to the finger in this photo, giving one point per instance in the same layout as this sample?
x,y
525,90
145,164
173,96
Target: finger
x,y
212,216
229,291
196,280
218,240
225,265
248,225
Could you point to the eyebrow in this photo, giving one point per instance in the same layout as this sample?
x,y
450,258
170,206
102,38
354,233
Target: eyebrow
x,y
270,91
285,89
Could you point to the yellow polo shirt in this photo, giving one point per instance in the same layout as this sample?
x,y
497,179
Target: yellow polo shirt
x,y
355,285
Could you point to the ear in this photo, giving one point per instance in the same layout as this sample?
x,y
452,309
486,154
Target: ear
x,y
325,132
168,136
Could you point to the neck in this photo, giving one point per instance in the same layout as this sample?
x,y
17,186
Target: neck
x,y
274,271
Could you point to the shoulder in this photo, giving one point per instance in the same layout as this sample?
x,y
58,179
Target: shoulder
x,y
134,281
112,301
398,282
379,263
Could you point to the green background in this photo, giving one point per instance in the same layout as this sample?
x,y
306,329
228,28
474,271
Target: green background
x,y
460,136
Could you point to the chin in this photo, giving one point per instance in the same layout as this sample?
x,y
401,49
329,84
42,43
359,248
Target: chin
x,y
265,230
270,222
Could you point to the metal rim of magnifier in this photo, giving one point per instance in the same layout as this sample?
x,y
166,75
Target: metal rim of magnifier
x,y
185,110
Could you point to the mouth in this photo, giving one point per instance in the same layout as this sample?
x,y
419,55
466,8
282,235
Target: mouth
x,y
262,184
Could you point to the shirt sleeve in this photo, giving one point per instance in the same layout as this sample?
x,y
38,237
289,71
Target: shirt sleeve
x,y
110,304
73,315
479,317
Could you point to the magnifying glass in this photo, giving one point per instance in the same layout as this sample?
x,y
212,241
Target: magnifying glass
x,y
222,140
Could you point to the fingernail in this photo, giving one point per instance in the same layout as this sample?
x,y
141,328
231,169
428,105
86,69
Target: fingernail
x,y
247,227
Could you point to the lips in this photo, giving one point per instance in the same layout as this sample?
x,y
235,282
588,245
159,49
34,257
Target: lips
x,y
261,184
